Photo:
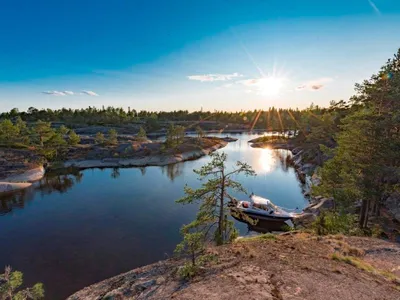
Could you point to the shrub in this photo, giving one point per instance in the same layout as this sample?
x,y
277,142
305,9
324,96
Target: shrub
x,y
334,223
11,281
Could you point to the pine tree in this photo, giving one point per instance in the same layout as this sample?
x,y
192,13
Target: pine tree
x,y
214,197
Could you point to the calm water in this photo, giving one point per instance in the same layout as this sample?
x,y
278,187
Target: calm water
x,y
76,229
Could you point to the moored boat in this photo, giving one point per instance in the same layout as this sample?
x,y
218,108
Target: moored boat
x,y
261,213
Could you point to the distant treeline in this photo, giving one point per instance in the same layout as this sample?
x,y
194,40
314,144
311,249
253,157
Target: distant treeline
x,y
271,119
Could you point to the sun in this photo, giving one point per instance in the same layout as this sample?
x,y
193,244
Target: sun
x,y
270,86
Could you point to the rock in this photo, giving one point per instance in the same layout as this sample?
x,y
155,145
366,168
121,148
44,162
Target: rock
x,y
144,285
323,204
304,219
160,280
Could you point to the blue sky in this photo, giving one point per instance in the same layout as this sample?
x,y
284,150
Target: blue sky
x,y
167,55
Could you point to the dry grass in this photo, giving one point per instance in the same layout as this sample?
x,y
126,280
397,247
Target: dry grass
x,y
362,265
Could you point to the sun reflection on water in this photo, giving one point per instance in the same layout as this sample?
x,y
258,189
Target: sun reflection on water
x,y
266,161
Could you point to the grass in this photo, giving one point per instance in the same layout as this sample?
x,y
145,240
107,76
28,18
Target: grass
x,y
362,265
261,237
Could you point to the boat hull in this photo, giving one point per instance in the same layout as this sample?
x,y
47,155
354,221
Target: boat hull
x,y
263,223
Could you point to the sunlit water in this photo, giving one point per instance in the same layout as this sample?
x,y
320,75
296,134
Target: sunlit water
x,y
78,229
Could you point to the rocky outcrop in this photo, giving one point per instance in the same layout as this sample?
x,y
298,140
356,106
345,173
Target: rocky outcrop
x,y
156,160
280,267
21,181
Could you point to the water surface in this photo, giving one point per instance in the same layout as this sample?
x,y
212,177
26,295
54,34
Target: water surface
x,y
76,229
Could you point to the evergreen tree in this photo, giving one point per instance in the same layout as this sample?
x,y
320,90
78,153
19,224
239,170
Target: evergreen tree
x,y
73,138
214,197
11,281
112,137
99,138
142,135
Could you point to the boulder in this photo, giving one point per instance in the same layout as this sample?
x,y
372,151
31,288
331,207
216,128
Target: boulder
x,y
304,219
323,204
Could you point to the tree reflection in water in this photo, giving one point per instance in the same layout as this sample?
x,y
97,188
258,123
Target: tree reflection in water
x,y
52,182
115,173
172,171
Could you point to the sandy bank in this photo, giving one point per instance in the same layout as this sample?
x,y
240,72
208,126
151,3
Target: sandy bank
x,y
156,160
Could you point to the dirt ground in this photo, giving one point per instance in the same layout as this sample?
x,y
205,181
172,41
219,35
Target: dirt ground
x,y
292,266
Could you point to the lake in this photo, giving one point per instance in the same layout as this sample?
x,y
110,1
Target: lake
x,y
77,229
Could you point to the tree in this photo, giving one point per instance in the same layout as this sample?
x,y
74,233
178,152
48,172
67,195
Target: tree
x,y
193,246
43,131
200,133
8,132
99,138
366,162
73,138
142,134
175,136
112,137
10,281
62,130
214,197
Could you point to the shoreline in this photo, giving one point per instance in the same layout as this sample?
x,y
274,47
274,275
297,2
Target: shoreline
x,y
155,160
21,181
26,179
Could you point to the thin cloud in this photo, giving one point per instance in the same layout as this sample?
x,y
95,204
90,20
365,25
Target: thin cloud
x,y
58,93
89,93
54,93
376,9
214,77
314,85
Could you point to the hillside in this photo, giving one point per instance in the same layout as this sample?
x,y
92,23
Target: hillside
x,y
289,266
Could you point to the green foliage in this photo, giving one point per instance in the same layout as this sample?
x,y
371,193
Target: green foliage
x,y
99,138
368,142
142,135
175,136
62,130
334,223
200,133
214,198
11,281
261,237
73,138
8,132
188,271
112,137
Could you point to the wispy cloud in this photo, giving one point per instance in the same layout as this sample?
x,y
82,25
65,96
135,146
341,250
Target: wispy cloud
x,y
89,93
376,9
314,85
214,77
54,93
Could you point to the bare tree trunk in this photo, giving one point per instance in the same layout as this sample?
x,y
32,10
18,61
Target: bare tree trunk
x,y
362,213
221,210
366,214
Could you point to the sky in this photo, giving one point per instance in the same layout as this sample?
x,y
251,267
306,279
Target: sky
x,y
213,54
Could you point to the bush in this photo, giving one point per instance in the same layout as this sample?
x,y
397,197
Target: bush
x,y
334,223
112,137
11,281
73,138
99,138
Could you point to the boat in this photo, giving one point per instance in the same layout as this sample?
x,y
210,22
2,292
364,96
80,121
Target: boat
x,y
261,214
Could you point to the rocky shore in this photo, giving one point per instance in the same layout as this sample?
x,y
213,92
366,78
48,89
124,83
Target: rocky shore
x,y
152,160
20,168
288,266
